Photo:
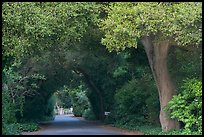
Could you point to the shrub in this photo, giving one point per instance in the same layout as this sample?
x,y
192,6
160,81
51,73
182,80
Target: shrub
x,y
50,106
136,102
17,128
110,119
10,129
77,110
8,112
88,114
187,106
27,127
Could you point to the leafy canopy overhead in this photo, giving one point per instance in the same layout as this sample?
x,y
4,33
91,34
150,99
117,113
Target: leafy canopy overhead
x,y
32,27
180,23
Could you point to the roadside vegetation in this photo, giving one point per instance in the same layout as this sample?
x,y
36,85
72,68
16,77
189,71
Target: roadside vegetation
x,y
142,62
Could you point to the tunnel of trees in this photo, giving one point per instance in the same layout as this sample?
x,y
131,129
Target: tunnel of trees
x,y
142,62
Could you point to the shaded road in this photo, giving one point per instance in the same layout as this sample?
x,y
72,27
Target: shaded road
x,y
68,125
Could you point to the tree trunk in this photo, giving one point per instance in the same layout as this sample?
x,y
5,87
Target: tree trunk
x,y
95,89
157,56
100,97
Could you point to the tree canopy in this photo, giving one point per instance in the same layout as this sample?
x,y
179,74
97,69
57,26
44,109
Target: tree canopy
x,y
29,28
178,22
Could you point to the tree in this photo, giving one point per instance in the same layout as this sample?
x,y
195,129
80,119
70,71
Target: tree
x,y
30,28
158,26
92,64
36,38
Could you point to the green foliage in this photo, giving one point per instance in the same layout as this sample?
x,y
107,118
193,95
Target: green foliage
x,y
18,87
152,129
8,112
63,99
138,101
187,106
15,88
185,63
50,106
94,103
120,71
37,105
54,38
79,99
147,129
9,129
88,114
29,28
17,128
179,132
179,23
80,103
27,127
77,110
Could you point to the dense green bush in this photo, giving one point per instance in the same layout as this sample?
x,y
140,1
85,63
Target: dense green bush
x,y
187,106
10,129
8,113
50,106
27,127
88,114
18,128
77,110
9,109
15,88
136,102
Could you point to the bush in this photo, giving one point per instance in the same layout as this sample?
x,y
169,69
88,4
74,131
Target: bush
x,y
50,106
10,129
88,114
77,110
110,119
8,112
14,87
187,106
27,127
17,128
136,102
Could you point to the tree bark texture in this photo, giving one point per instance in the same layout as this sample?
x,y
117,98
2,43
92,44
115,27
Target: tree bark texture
x,y
157,56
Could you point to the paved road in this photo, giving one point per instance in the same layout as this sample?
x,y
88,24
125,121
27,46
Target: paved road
x,y
69,125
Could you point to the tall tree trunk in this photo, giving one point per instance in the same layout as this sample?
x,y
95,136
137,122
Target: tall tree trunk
x,y
157,56
98,92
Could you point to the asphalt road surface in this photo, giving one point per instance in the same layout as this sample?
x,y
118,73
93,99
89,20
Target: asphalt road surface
x,y
69,125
